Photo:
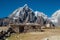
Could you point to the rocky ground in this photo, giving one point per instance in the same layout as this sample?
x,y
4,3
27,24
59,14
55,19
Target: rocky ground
x,y
48,34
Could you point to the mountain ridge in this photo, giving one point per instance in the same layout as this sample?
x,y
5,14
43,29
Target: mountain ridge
x,y
20,12
25,13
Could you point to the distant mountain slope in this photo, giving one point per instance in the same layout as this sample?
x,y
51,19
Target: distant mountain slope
x,y
56,18
37,13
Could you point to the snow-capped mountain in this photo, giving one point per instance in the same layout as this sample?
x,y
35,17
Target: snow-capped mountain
x,y
18,12
23,13
56,14
37,13
56,18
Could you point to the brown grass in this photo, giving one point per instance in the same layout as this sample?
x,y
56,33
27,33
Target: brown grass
x,y
35,35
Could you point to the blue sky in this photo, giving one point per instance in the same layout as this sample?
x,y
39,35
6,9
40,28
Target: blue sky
x,y
46,6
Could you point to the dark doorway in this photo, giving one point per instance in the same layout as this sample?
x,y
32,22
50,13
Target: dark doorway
x,y
21,29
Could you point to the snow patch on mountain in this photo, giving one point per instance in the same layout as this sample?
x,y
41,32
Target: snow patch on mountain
x,y
37,13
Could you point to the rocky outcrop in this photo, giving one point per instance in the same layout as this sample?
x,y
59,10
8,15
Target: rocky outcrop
x,y
4,21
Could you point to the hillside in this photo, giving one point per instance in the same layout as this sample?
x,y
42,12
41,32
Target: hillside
x,y
37,35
